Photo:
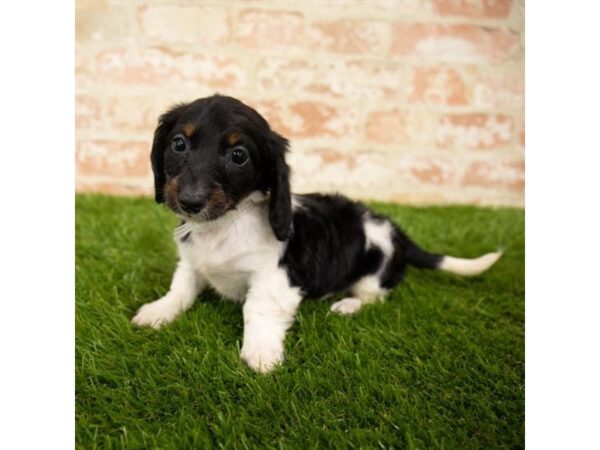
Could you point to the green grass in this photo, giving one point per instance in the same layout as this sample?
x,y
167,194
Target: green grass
x,y
439,365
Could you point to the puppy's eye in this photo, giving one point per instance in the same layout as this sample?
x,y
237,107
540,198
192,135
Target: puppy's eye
x,y
179,144
239,156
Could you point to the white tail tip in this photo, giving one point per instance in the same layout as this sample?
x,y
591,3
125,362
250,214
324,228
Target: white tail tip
x,y
469,267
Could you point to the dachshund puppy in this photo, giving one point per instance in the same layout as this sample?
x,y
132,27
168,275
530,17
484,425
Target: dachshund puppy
x,y
221,169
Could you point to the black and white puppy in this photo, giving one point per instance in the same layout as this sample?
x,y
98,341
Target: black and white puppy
x,y
218,165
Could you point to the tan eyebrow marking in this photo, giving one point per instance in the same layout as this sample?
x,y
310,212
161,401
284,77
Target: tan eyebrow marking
x,y
233,138
189,129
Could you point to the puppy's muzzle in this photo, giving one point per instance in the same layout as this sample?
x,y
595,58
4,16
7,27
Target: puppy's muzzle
x,y
190,202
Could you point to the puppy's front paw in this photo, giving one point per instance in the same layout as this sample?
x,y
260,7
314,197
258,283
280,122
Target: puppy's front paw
x,y
262,357
156,314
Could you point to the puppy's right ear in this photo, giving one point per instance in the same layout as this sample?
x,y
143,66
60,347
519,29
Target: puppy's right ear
x,y
157,156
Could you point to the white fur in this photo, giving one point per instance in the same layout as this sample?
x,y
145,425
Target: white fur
x,y
469,267
269,311
296,205
347,306
379,234
368,289
238,256
185,287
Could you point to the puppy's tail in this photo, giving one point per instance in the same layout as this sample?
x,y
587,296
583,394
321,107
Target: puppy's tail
x,y
417,257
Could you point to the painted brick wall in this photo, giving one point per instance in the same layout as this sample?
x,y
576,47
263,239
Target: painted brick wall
x,y
417,101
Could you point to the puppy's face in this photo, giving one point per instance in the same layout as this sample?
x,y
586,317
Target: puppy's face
x,y
211,160
210,154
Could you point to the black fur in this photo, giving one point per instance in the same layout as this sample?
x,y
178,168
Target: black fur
x,y
406,252
326,249
165,125
326,253
280,207
205,165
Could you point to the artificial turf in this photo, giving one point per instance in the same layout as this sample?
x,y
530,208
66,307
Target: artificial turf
x,y
439,365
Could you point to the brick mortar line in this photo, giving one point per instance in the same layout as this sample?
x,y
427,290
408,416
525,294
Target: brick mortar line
x,y
364,107
233,51
357,12
297,52
282,96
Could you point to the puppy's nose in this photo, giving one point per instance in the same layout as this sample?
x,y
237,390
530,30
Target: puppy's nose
x,y
191,204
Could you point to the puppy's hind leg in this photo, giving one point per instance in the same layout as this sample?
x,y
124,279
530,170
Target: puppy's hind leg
x,y
366,290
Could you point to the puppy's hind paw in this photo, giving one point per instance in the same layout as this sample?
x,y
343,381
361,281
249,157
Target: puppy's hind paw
x,y
347,306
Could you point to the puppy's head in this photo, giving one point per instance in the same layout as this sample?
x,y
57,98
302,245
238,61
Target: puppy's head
x,y
210,154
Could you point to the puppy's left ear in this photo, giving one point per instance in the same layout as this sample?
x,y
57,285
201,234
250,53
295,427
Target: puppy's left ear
x,y
280,203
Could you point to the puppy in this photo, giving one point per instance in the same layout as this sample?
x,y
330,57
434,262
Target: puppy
x,y
221,169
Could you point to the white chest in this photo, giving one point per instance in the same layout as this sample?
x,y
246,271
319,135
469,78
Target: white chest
x,y
229,253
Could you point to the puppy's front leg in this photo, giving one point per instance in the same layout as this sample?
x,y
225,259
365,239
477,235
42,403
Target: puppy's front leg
x,y
269,311
185,287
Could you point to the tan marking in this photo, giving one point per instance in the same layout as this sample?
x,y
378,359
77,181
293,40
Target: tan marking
x,y
233,138
189,129
171,187
218,202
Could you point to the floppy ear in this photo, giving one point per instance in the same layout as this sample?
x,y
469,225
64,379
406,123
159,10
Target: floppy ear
x,y
157,156
280,203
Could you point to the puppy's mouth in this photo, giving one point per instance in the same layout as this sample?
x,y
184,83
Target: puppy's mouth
x,y
200,210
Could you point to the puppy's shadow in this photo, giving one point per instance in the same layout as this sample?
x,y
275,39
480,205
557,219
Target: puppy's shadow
x,y
217,315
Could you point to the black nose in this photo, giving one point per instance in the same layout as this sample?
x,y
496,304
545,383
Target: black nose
x,y
191,205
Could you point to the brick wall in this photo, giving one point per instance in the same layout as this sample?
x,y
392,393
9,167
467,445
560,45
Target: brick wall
x,y
418,101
